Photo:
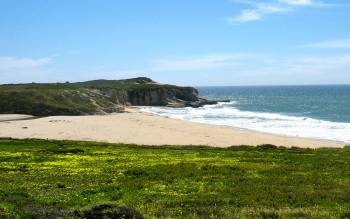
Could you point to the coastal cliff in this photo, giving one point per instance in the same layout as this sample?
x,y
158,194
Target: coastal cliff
x,y
94,97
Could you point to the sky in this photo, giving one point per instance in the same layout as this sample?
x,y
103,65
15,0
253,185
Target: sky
x,y
183,42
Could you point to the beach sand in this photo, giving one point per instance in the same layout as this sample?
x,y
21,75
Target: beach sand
x,y
136,127
13,117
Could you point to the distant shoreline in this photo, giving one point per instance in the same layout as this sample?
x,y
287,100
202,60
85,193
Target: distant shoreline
x,y
136,127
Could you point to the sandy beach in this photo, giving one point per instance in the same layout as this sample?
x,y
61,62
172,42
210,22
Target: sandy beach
x,y
136,127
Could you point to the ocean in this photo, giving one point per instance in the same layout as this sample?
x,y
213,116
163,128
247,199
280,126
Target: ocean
x,y
318,112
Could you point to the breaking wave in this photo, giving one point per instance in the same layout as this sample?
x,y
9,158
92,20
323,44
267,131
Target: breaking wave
x,y
228,115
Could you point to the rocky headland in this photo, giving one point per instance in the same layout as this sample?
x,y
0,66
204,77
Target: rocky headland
x,y
94,97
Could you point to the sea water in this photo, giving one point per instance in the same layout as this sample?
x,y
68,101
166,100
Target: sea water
x,y
319,112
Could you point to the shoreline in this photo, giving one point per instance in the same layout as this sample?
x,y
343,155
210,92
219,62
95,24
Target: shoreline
x,y
260,132
249,130
137,127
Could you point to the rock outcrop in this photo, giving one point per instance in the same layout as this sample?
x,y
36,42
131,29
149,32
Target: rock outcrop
x,y
167,96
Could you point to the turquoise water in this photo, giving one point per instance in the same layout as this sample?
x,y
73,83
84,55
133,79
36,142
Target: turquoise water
x,y
320,112
331,103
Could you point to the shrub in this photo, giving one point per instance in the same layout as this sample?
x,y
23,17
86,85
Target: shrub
x,y
267,147
111,211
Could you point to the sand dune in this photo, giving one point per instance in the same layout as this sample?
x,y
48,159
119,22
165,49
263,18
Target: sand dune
x,y
142,128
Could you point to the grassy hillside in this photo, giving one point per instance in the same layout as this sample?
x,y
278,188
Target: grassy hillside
x,y
44,101
82,179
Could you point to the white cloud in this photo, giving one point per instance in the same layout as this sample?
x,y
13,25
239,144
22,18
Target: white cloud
x,y
315,64
331,69
298,2
13,69
196,63
74,51
261,9
13,63
245,69
115,74
334,44
245,16
252,63
257,13
312,3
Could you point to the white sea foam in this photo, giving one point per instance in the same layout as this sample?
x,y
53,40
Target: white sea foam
x,y
226,114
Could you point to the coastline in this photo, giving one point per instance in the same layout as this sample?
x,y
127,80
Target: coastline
x,y
137,127
259,132
342,144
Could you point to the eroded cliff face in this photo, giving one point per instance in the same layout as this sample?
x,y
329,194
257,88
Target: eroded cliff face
x,y
146,92
173,97
159,96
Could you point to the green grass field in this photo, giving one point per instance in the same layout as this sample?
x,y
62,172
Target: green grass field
x,y
50,179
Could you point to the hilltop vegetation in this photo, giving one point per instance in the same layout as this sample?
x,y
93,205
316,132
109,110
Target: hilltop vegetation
x,y
125,84
47,179
92,97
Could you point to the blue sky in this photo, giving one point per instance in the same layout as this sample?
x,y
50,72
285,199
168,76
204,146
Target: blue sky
x,y
185,42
